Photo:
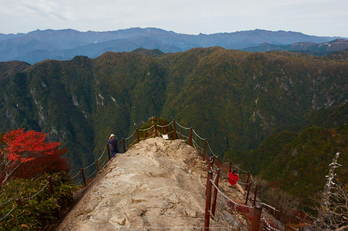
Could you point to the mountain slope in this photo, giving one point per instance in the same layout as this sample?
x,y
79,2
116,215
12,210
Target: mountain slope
x,y
298,160
339,56
302,164
234,98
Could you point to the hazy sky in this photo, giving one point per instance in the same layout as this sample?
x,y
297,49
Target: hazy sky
x,y
312,17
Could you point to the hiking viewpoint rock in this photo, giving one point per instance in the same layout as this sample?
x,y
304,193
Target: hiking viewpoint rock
x,y
157,184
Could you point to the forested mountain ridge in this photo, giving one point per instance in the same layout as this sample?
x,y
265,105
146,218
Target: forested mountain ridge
x,y
234,98
299,162
65,44
321,49
298,159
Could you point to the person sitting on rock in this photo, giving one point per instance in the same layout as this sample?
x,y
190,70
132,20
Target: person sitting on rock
x,y
112,141
233,178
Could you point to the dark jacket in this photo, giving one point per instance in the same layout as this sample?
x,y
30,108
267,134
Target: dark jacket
x,y
113,146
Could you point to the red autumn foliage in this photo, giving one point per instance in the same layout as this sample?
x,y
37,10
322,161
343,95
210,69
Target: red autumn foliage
x,y
26,154
250,217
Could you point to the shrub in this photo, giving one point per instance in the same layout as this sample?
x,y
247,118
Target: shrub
x,y
39,208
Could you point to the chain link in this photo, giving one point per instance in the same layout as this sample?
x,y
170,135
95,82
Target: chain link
x,y
268,225
182,126
235,203
8,213
146,129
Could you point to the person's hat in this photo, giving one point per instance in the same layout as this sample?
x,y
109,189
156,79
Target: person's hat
x,y
112,135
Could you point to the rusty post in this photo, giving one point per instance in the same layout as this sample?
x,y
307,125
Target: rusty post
x,y
155,129
83,176
138,135
211,162
108,151
211,158
191,136
255,195
219,162
211,165
205,148
174,129
246,187
208,200
256,218
215,191
49,179
19,201
230,169
96,165
209,168
124,145
247,197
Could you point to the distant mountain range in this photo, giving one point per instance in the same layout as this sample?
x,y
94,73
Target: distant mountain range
x,y
66,44
321,49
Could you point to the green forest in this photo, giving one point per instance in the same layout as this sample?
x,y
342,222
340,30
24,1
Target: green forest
x,y
279,114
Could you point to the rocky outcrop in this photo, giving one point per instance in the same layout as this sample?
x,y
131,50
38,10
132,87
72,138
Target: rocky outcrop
x,y
157,184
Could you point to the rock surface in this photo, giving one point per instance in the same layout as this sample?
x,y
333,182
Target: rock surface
x,y
157,184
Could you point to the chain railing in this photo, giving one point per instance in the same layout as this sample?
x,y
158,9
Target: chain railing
x,y
210,211
168,132
18,201
172,130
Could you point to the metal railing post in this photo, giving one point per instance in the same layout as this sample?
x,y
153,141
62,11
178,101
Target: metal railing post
x,y
256,218
211,163
124,145
138,135
247,197
191,136
174,129
208,200
96,165
205,148
83,176
49,179
255,195
155,130
19,201
213,208
246,187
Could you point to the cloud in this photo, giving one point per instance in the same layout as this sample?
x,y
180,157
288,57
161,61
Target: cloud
x,y
183,16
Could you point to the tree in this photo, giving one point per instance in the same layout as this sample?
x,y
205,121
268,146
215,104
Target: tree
x,y
333,207
26,154
336,215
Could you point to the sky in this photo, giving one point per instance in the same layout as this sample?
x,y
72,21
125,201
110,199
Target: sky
x,y
311,17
